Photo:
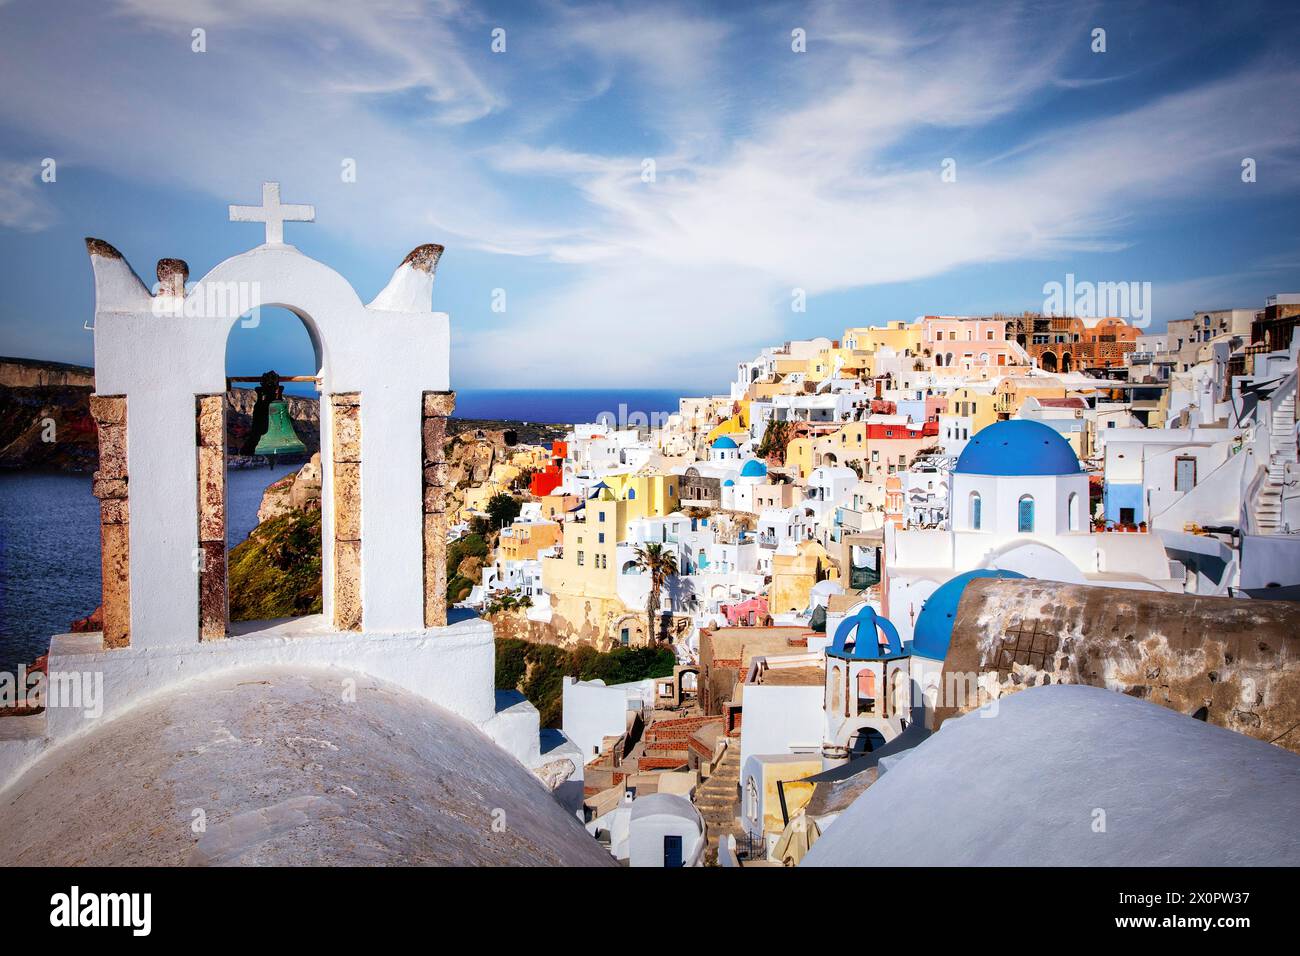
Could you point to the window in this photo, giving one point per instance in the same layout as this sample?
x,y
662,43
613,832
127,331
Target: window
x,y
580,559
600,538
990,335
976,507
602,516
1073,516
631,494
1025,519
624,637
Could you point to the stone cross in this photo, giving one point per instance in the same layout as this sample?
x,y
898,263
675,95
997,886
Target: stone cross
x,y
273,214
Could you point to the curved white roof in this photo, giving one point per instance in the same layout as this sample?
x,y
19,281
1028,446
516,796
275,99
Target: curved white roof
x,y
287,773
1024,787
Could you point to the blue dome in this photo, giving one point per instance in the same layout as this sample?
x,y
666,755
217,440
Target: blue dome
x,y
1018,446
724,442
754,469
728,483
933,631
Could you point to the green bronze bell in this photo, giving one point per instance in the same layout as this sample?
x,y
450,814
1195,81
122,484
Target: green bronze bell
x,y
280,438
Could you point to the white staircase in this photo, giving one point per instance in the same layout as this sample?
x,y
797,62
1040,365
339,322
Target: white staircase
x,y
1282,454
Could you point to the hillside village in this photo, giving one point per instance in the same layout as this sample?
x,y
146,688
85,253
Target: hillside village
x,y
853,512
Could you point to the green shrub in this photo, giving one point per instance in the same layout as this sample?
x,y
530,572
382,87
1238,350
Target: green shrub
x,y
538,670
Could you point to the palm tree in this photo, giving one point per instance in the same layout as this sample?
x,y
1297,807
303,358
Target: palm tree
x,y
660,564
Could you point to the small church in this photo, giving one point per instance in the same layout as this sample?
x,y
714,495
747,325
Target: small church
x,y
370,733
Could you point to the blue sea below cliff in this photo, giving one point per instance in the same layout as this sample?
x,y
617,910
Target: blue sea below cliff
x,y
49,551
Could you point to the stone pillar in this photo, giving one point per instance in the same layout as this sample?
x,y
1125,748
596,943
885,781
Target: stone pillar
x,y
110,487
214,588
346,425
437,407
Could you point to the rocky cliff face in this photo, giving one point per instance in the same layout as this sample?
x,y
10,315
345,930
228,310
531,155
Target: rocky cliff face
x,y
47,426
296,492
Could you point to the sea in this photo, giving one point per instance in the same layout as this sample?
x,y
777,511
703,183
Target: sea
x,y
49,521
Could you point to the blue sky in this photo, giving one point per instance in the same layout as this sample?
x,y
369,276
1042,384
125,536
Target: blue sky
x,y
774,170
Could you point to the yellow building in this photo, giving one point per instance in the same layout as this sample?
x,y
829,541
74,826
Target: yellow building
x,y
840,363
555,507
782,781
647,496
523,539
586,567
793,576
902,337
738,422
1011,392
980,407
583,579
798,454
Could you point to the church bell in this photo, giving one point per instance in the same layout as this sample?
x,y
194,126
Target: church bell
x,y
279,438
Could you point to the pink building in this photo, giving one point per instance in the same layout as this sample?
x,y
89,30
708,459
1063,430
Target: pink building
x,y
969,347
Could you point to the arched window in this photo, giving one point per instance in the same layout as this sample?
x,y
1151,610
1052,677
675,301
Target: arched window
x,y
976,507
837,689
1025,520
1074,511
631,494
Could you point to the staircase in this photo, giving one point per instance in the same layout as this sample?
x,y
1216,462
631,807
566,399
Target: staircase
x,y
1282,453
717,800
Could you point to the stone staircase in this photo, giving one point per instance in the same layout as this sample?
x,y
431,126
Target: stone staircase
x,y
1282,454
718,798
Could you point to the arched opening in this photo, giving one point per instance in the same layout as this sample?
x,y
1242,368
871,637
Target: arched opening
x,y
1025,514
976,509
273,534
1048,361
836,702
1073,513
630,567
1067,362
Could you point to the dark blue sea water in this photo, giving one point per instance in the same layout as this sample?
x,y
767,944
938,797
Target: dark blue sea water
x,y
49,551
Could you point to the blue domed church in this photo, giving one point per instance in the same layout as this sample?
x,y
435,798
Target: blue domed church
x,y
1018,503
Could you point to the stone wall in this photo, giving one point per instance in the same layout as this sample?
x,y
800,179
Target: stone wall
x,y
110,487
346,420
1238,659
437,407
214,601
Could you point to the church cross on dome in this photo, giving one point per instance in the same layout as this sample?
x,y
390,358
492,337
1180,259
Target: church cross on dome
x,y
273,214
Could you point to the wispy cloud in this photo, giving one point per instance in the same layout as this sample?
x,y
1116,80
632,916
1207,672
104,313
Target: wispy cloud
x,y
22,207
772,170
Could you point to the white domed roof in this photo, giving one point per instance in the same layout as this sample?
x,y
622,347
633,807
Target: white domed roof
x,y
286,772
1022,789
